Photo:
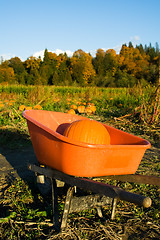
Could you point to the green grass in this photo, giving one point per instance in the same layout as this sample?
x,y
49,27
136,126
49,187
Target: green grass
x,y
21,203
110,104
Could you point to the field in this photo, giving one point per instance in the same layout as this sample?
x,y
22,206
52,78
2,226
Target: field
x,y
26,214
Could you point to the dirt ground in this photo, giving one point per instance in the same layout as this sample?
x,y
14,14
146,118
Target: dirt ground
x,y
14,163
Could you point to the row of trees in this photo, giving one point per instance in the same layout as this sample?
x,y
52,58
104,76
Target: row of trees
x,y
106,69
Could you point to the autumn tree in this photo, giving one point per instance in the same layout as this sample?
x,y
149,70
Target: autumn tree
x,y
105,64
62,75
32,65
153,54
98,62
48,66
19,69
130,45
106,69
7,73
110,62
134,62
82,70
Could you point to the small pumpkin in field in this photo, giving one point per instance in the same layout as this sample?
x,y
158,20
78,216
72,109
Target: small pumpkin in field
x,y
88,131
1,105
88,110
81,109
28,108
22,107
73,106
37,107
71,111
10,103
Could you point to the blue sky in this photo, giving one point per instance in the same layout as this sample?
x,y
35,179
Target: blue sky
x,y
28,27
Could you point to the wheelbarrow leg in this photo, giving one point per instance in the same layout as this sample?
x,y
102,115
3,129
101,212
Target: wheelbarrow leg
x,y
99,212
55,205
114,205
67,208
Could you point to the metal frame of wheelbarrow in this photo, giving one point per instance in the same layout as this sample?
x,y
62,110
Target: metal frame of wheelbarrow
x,y
104,193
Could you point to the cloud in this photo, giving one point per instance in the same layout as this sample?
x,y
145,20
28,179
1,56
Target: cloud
x,y
57,51
93,53
7,56
39,54
68,52
135,38
116,48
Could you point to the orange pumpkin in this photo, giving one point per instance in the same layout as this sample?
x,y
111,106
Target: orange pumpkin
x,y
28,108
88,131
22,107
71,111
81,109
1,105
88,110
73,106
10,103
38,107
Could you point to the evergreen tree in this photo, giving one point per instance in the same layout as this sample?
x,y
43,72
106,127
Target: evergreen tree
x,y
98,62
55,78
130,45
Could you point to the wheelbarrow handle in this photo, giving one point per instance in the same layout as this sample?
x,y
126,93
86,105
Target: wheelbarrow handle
x,y
94,186
136,178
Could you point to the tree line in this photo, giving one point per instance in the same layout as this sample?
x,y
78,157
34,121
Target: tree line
x,y
106,69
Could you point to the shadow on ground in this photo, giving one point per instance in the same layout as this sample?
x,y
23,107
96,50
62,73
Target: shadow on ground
x,y
16,152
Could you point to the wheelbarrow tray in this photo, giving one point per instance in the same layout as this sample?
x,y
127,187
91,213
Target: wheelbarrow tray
x,y
52,149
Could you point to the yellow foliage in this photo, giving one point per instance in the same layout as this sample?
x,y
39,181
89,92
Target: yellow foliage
x,y
33,63
7,74
82,62
133,61
51,55
100,52
112,52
